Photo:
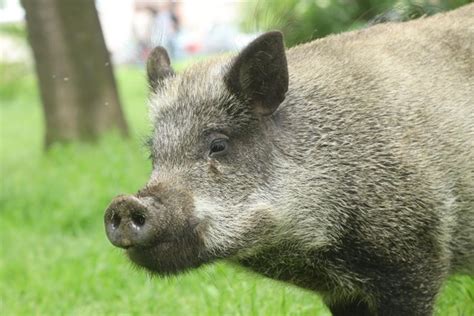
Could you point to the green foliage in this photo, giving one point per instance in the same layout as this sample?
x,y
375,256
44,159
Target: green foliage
x,y
55,258
304,20
15,80
16,30
15,77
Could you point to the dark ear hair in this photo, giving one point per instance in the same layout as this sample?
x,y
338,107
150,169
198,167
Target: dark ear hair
x,y
158,67
259,74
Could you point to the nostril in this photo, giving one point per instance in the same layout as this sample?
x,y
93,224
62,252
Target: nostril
x,y
138,219
116,219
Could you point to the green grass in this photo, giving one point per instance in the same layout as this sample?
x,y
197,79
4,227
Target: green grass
x,y
55,258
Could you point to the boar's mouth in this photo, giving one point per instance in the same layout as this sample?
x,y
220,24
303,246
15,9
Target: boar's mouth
x,y
157,229
171,256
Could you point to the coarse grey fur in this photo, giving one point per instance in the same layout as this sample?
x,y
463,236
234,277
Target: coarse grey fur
x,y
359,185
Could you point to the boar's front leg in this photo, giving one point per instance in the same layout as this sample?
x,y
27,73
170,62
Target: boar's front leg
x,y
414,302
407,289
353,308
408,295
393,303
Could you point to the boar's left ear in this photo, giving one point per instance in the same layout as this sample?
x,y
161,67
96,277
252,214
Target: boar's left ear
x,y
259,74
158,67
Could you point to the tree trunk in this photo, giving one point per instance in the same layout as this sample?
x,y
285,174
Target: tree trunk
x,y
76,80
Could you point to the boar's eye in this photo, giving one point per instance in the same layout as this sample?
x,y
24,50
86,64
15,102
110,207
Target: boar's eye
x,y
218,147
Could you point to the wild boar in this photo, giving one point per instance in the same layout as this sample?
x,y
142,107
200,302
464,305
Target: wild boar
x,y
344,165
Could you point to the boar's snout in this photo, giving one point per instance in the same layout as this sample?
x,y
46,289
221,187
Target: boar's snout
x,y
158,228
129,223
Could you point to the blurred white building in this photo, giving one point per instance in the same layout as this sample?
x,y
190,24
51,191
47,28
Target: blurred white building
x,y
10,11
131,27
12,49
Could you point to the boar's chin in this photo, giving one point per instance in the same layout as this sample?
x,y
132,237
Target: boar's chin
x,y
169,257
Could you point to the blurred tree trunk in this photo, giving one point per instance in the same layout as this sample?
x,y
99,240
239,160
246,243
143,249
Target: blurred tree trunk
x,y
76,80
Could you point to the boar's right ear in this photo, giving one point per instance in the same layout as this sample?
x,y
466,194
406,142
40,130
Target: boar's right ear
x,y
158,67
259,74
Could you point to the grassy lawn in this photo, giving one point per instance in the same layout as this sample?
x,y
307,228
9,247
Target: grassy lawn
x,y
55,258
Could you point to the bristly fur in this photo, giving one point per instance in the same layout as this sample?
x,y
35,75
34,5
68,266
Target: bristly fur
x,y
359,185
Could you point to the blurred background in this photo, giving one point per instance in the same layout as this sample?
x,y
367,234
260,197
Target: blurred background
x,y
73,118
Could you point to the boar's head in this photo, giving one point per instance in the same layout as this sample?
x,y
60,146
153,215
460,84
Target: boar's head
x,y
212,151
